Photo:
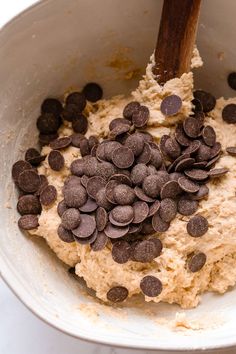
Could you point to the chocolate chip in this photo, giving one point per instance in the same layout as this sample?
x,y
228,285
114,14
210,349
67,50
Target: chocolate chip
x,y
78,99
181,137
101,218
171,105
187,206
135,142
33,157
117,294
113,231
80,124
202,193
117,122
121,178
215,150
101,199
51,105
28,222
196,174
56,160
100,243
153,209
212,162
141,211
229,113
43,183
144,251
29,204
151,170
45,139
84,180
146,154
147,228
232,80
151,186
100,152
119,130
61,207
65,235
151,286
124,195
173,165
106,170
94,184
123,157
93,141
48,195
207,100
60,143
200,117
191,127
184,164
121,215
92,92
158,224
72,181
187,185
156,158
89,206
140,117
192,148
94,150
199,165
70,218
147,137
87,240
29,181
76,139
172,148
134,229
163,141
158,245
197,105
196,262
121,252
109,148
168,210
197,226
86,227
70,112
75,196
218,172
170,190
175,176
130,109
209,135
48,123
19,167
110,186
84,147
77,167
90,166
231,150
142,196
204,153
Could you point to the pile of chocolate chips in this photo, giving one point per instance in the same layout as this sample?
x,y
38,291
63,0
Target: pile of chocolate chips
x,y
127,187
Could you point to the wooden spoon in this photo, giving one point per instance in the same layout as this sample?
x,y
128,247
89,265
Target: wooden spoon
x,y
176,38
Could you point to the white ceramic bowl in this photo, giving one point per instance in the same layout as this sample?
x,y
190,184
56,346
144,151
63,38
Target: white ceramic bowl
x,y
48,48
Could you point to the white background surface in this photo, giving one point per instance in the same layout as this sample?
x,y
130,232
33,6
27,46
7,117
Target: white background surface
x,y
20,331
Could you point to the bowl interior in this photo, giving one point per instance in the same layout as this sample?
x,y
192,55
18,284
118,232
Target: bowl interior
x,y
59,44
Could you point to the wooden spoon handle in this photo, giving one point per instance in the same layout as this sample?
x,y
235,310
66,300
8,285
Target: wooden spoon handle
x,y
176,38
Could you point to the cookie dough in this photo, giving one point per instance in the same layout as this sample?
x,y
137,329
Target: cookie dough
x,y
180,285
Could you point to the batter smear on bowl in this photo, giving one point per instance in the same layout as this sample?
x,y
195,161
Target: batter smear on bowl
x,y
137,193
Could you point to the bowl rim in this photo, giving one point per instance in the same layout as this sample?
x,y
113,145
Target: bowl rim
x,y
16,287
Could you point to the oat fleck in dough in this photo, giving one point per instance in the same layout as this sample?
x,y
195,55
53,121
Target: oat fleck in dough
x,y
180,267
